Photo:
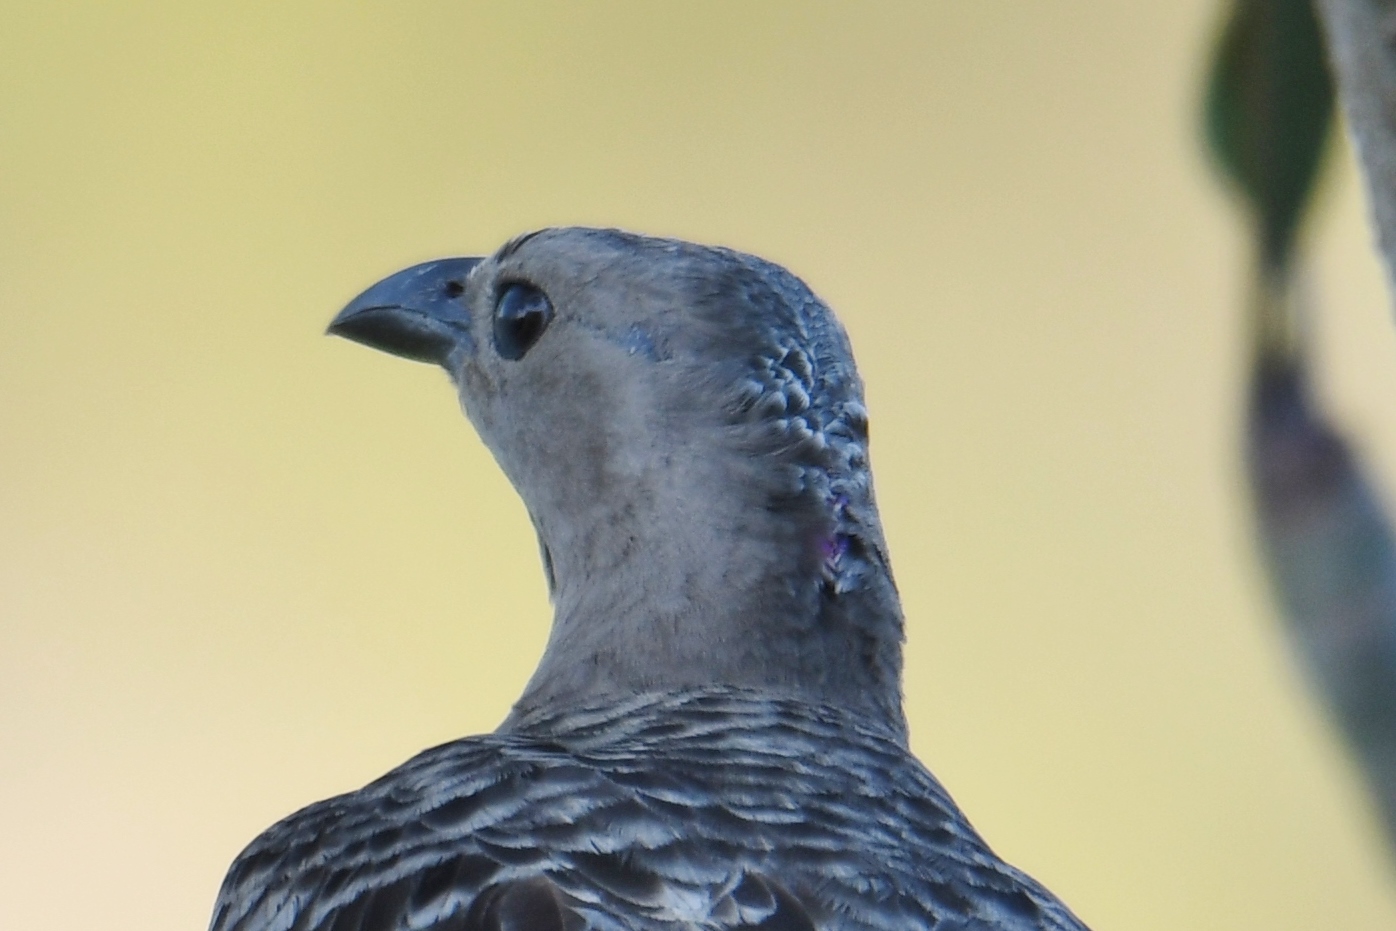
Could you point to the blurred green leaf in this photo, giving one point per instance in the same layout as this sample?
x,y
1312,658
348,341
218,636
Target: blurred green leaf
x,y
1269,108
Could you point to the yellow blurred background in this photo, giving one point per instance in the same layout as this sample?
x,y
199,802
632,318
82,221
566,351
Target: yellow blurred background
x,y
243,566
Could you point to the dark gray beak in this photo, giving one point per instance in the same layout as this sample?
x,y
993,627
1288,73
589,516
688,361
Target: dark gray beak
x,y
418,313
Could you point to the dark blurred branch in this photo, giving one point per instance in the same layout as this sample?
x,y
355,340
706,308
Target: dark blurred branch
x,y
1362,47
1325,539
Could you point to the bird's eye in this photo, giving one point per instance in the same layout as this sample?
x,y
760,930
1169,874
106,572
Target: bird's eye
x,y
520,317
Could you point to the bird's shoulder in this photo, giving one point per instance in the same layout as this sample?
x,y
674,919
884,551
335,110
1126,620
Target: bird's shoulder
x,y
674,820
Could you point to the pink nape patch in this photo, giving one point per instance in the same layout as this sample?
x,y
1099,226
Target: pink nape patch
x,y
832,549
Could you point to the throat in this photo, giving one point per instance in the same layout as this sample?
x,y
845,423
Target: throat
x,y
745,604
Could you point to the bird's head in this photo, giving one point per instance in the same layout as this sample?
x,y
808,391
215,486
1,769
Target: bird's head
x,y
684,423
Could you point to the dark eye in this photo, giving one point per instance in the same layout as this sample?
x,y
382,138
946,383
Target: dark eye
x,y
520,317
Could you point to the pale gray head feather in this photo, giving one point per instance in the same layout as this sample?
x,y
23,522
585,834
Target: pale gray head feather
x,y
690,438
686,427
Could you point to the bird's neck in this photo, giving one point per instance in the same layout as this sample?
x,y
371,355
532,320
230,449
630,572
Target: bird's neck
x,y
662,593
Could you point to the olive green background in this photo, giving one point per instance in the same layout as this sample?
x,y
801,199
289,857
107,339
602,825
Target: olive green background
x,y
243,566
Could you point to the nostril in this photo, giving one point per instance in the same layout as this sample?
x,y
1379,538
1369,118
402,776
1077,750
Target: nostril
x,y
454,289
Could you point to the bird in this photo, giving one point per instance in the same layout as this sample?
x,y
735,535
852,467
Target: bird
x,y
714,736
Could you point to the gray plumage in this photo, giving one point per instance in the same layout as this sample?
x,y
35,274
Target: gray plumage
x,y
714,736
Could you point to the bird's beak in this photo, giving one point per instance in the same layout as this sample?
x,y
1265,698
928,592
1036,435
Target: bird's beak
x,y
418,313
